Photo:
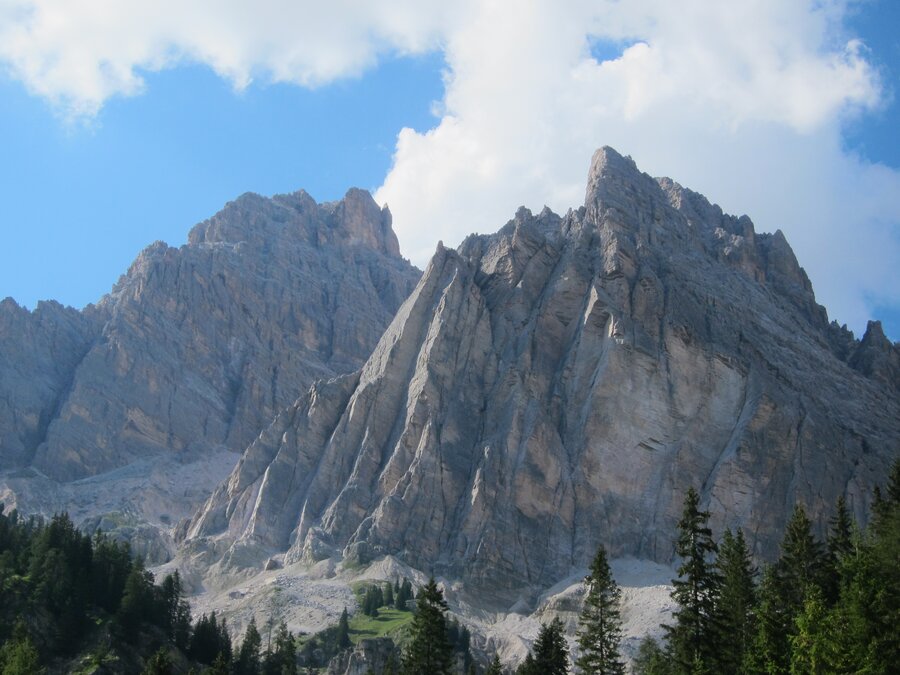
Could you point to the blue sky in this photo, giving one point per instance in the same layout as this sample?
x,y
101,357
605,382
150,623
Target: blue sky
x,y
105,151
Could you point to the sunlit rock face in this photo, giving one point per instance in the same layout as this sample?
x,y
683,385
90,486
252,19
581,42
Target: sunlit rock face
x,y
561,383
192,354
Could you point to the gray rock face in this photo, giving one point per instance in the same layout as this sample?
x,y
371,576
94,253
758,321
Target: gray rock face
x,y
368,656
196,348
204,344
39,352
562,383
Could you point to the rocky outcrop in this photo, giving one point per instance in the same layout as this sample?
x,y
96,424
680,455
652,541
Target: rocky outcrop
x,y
193,352
39,353
369,655
205,343
562,383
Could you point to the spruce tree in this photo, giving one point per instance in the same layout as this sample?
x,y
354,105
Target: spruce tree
x,y
650,659
737,599
428,650
248,659
600,624
494,667
771,650
343,636
802,562
388,595
692,639
551,655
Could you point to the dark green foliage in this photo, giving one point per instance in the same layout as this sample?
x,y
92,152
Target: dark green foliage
x,y
600,624
428,650
494,667
248,660
388,595
403,595
802,563
650,659
282,659
771,649
210,640
692,639
736,602
18,656
343,635
373,599
160,663
550,655
459,638
176,613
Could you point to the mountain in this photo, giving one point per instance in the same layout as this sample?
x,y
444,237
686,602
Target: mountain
x,y
561,383
137,405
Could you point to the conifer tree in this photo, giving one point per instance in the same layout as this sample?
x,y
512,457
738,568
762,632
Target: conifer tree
x,y
428,650
771,650
494,667
811,644
159,664
388,595
248,659
551,655
600,624
692,638
282,660
802,562
18,656
650,659
343,636
736,602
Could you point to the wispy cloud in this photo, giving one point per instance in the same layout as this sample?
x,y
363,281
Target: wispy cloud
x,y
744,101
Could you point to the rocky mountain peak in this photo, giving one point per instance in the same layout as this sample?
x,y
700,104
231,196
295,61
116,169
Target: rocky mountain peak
x,y
876,357
195,350
562,383
359,218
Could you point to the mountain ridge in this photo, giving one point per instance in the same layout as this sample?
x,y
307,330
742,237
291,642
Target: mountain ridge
x,y
561,383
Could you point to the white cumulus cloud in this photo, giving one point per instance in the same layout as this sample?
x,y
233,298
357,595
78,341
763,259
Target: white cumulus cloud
x,y
744,101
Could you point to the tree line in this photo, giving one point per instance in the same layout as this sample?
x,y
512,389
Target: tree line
x,y
829,606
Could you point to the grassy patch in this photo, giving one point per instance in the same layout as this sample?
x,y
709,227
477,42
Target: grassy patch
x,y
389,623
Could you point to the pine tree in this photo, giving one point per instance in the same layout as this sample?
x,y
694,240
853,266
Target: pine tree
x,y
650,659
551,655
840,532
248,660
428,650
802,562
813,645
737,599
388,595
495,667
159,664
692,639
343,636
771,650
18,655
282,660
528,666
600,625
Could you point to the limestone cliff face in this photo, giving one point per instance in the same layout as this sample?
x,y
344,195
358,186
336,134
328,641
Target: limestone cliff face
x,y
562,383
39,352
205,343
154,390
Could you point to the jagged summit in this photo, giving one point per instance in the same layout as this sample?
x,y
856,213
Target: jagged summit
x,y
561,383
259,221
195,349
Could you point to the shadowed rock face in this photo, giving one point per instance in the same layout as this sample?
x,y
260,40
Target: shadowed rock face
x,y
562,383
196,348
